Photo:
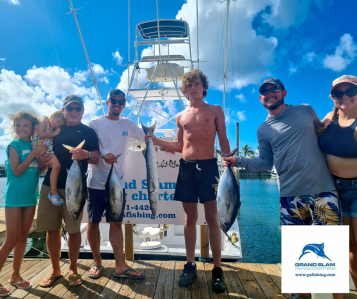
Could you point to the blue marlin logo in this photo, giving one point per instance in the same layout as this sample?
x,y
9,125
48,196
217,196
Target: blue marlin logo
x,y
316,248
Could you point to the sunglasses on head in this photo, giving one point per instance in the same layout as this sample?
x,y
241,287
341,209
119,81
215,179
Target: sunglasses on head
x,y
265,92
69,108
338,94
120,102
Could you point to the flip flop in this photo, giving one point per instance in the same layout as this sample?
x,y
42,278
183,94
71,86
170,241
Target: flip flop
x,y
5,294
16,284
73,278
50,277
96,268
125,274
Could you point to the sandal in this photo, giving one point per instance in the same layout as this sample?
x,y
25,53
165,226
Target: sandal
x,y
55,199
5,294
125,274
48,278
17,284
73,278
96,268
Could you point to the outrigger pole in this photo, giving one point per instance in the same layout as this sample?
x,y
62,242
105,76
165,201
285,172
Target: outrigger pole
x,y
73,11
225,59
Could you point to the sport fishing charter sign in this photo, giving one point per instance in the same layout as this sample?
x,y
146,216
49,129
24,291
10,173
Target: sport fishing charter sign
x,y
137,207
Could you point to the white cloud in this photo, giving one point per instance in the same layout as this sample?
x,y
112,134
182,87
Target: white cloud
x,y
241,115
309,57
345,53
240,97
116,56
13,2
292,68
42,90
250,55
2,59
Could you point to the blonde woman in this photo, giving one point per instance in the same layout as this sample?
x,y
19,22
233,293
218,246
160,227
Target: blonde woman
x,y
338,140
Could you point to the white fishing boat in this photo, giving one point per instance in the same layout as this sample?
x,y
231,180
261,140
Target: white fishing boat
x,y
163,236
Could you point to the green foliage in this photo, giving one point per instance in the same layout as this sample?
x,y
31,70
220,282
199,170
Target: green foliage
x,y
247,151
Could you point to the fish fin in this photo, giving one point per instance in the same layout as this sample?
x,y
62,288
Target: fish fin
x,y
103,183
144,151
81,144
121,177
149,130
218,180
221,153
153,186
227,155
70,148
116,157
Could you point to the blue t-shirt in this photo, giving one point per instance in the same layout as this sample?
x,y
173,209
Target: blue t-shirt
x,y
21,191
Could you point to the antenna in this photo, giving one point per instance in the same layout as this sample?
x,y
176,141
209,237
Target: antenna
x,y
225,58
73,11
198,46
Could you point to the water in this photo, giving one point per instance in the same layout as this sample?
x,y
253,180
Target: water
x,y
258,220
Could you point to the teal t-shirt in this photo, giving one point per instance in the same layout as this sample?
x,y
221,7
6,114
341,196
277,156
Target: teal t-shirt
x,y
21,191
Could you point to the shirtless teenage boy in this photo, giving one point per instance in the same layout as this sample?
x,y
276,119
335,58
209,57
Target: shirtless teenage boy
x,y
197,126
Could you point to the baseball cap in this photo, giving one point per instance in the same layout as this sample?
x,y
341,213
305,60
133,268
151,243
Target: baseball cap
x,y
72,99
273,81
344,79
115,92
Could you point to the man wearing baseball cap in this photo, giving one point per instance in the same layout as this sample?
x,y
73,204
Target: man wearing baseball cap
x,y
113,133
49,216
288,140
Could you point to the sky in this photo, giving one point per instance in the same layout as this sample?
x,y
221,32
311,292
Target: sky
x,y
306,44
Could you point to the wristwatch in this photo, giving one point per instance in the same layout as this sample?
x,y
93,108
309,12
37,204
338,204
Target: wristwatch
x,y
89,156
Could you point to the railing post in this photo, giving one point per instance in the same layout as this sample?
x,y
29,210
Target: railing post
x,y
204,241
129,242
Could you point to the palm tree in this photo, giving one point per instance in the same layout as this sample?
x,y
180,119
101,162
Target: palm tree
x,y
247,151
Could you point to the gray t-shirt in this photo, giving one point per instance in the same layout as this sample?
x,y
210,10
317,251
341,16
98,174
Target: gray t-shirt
x,y
288,140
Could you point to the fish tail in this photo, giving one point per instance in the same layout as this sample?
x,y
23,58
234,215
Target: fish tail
x,y
81,144
71,148
227,155
149,130
301,256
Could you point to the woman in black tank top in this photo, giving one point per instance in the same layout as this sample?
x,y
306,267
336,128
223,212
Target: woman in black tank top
x,y
338,140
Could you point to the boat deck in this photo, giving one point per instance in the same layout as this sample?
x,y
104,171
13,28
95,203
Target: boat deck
x,y
243,281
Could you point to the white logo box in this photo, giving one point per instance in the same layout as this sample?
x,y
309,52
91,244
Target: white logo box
x,y
315,259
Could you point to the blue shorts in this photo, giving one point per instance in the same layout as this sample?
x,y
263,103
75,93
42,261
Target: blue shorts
x,y
347,188
96,204
319,209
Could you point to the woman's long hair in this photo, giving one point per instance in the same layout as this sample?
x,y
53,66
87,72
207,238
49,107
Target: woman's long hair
x,y
333,119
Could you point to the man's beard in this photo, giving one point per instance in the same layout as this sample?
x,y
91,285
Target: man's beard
x,y
115,113
274,106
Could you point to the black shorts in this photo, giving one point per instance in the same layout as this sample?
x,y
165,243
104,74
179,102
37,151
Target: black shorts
x,y
96,204
196,181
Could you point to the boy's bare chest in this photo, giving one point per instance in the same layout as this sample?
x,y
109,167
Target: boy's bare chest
x,y
197,121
